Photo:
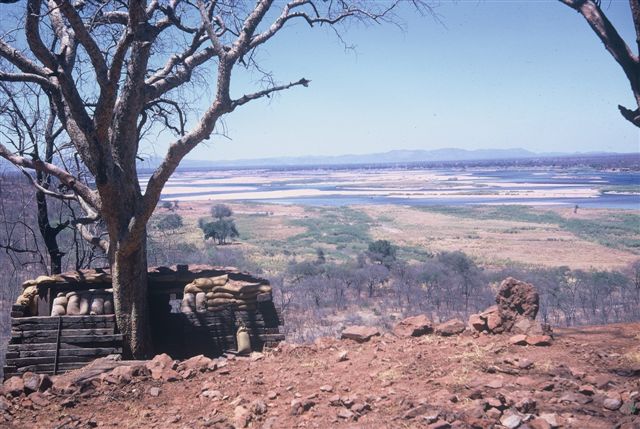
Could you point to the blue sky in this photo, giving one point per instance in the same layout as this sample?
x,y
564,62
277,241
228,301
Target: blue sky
x,y
492,74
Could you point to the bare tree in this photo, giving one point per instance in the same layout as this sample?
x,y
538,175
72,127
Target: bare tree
x,y
616,46
28,125
114,70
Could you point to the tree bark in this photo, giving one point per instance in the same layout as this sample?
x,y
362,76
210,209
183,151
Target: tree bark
x,y
129,277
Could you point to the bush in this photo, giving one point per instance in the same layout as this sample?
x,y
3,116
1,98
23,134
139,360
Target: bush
x,y
170,221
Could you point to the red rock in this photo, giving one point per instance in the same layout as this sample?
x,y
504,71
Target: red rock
x,y
345,414
413,326
298,406
123,374
162,367
14,386
538,423
198,363
587,390
30,382
241,416
359,334
494,384
518,340
516,299
477,323
494,322
539,340
162,360
39,399
451,327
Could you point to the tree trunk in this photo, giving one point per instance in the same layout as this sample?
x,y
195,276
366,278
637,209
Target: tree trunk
x,y
49,234
129,274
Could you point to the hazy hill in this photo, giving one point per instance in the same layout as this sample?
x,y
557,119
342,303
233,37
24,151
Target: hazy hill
x,y
393,156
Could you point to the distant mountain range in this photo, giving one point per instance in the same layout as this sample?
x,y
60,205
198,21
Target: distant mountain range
x,y
391,157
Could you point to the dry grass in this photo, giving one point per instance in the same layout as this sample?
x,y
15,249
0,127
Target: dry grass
x,y
494,242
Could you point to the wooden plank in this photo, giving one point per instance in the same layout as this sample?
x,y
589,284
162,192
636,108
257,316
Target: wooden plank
x,y
47,368
12,348
100,351
54,319
65,325
65,333
81,339
22,362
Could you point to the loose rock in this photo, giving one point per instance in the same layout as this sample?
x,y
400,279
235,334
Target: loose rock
x,y
413,326
451,327
360,334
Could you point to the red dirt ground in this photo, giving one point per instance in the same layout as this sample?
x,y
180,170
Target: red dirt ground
x,y
388,382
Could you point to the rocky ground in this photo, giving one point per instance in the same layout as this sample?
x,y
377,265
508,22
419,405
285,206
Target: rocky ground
x,y
586,378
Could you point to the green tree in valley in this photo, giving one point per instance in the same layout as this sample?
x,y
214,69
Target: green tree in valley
x,y
382,252
220,230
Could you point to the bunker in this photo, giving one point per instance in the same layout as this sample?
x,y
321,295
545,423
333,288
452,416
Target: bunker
x,y
64,321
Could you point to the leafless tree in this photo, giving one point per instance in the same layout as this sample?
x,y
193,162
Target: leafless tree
x,y
617,47
114,70
28,125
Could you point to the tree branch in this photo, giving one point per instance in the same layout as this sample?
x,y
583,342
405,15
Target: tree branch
x,y
67,179
267,92
46,191
613,43
86,40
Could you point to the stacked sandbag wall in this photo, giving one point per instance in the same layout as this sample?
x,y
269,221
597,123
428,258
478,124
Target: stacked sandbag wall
x,y
91,302
219,293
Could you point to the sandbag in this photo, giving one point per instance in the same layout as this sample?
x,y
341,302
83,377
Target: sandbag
x,y
73,304
58,310
213,295
234,307
244,341
220,301
97,305
108,305
85,304
188,303
191,288
201,302
241,288
209,282
61,299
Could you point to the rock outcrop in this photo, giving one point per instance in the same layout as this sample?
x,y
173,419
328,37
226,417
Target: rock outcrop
x,y
517,305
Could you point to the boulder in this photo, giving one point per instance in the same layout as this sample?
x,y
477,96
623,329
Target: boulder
x,y
415,326
359,334
35,382
477,323
198,363
13,386
451,327
162,367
